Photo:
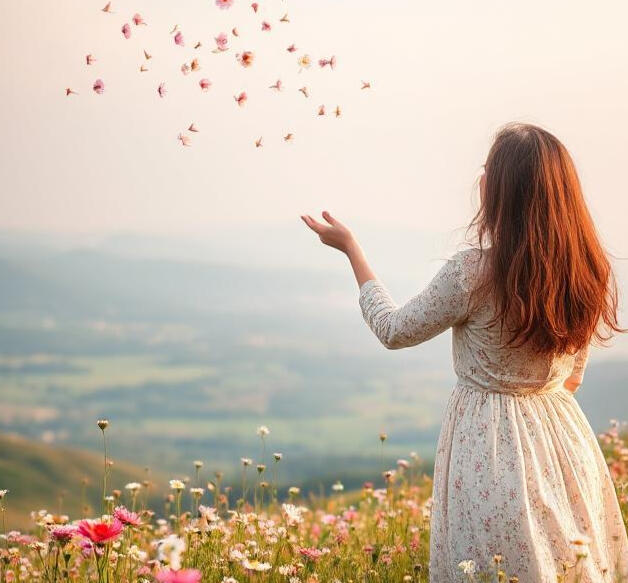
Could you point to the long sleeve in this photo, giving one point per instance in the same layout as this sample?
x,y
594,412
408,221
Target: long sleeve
x,y
580,363
441,305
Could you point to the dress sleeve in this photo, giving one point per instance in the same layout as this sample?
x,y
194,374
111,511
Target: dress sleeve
x,y
441,305
580,363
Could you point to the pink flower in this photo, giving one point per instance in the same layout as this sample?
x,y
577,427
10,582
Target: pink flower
x,y
265,26
180,576
178,39
137,19
161,90
221,41
126,516
311,553
241,98
63,533
99,86
205,84
126,30
224,3
99,531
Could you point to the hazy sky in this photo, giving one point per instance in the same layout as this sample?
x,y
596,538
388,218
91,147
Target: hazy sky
x,y
406,153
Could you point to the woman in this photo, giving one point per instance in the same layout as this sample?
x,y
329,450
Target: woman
x,y
518,469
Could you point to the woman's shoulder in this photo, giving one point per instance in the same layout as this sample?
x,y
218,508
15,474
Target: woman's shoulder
x,y
467,262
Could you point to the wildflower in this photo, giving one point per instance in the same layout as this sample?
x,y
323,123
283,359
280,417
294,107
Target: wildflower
x,y
196,492
312,553
102,423
403,464
177,485
246,461
63,533
3,493
467,567
100,531
294,490
137,554
338,487
170,549
260,468
277,456
229,580
133,487
179,576
263,431
198,464
127,517
292,514
383,437
255,565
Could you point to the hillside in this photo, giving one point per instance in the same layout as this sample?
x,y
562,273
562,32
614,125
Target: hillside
x,y
40,476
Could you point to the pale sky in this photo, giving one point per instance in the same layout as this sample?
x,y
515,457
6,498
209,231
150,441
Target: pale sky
x,y
405,154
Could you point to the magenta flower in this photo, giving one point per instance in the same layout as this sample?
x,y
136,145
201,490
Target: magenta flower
x,y
178,39
126,30
126,516
311,553
63,533
99,531
180,576
222,4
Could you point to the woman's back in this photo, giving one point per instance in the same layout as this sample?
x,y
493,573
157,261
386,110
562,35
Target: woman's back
x,y
480,360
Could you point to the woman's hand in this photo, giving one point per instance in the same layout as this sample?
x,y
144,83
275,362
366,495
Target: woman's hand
x,y
339,237
335,234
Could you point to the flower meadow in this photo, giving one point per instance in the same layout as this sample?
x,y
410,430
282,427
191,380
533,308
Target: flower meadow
x,y
203,534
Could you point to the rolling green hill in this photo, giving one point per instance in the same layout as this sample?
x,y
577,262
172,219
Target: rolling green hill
x,y
40,476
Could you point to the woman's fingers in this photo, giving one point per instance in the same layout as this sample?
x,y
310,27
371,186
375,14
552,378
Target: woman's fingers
x,y
312,224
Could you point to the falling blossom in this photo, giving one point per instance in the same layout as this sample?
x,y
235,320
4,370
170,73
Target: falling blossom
x,y
178,39
161,89
304,61
222,4
331,62
99,86
221,42
241,98
107,8
277,85
292,48
246,58
205,84
68,92
126,30
255,6
366,85
185,140
265,26
89,59
137,19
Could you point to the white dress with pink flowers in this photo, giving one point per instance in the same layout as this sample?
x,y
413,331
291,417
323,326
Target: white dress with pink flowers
x,y
518,469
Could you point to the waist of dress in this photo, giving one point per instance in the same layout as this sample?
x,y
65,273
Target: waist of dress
x,y
548,389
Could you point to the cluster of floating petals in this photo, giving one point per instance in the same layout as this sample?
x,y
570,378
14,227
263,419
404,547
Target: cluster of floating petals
x,y
244,58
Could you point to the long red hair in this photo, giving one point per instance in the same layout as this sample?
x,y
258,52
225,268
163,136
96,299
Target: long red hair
x,y
546,269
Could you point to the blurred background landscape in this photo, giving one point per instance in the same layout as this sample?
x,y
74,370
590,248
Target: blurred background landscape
x,y
175,290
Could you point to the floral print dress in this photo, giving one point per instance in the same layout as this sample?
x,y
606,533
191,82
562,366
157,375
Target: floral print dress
x,y
518,469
